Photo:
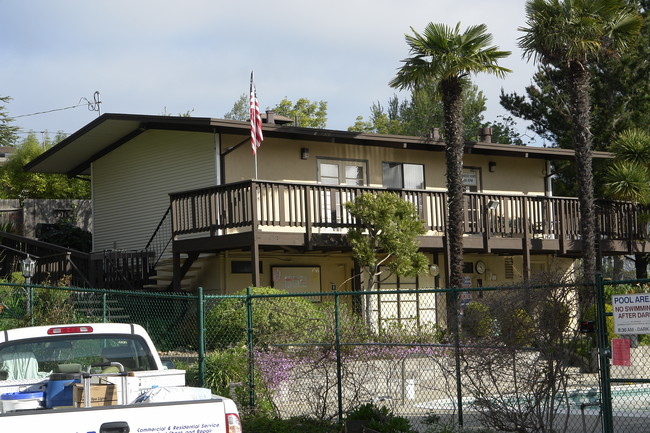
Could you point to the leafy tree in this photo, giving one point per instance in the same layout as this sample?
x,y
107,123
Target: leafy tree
x,y
386,236
305,113
7,130
18,184
422,112
443,57
240,110
504,132
569,35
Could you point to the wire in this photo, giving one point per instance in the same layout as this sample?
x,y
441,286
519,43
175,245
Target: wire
x,y
92,106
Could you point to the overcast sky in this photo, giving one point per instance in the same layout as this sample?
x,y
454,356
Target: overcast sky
x,y
157,56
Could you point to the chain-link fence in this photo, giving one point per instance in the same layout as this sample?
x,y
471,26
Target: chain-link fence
x,y
520,358
170,318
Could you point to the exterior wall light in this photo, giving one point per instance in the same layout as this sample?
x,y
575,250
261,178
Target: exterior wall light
x,y
304,153
492,166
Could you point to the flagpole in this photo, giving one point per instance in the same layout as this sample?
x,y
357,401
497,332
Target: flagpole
x,y
256,122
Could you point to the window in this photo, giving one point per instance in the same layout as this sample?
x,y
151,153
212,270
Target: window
x,y
337,172
398,175
471,180
244,267
39,357
332,172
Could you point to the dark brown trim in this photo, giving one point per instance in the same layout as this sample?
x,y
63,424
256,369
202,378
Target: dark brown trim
x,y
202,124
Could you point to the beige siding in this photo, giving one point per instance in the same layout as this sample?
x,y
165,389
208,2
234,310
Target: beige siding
x,y
131,184
280,160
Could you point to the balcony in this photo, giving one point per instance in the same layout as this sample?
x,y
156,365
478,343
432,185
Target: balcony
x,y
309,216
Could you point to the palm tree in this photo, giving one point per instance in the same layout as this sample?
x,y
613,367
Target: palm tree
x,y
568,35
629,177
444,57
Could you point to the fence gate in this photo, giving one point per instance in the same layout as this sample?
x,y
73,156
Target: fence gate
x,y
623,330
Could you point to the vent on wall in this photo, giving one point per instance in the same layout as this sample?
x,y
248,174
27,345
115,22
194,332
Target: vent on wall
x,y
509,268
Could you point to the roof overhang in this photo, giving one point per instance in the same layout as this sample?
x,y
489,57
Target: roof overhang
x,y
75,154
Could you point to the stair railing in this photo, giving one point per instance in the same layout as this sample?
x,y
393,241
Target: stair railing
x,y
160,239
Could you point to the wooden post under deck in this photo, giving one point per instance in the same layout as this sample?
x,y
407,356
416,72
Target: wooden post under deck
x,y
525,241
255,246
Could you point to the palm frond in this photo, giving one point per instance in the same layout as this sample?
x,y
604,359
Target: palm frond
x,y
442,53
628,181
633,145
564,31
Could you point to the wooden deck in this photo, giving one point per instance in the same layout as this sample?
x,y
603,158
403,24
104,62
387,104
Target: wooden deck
x,y
314,217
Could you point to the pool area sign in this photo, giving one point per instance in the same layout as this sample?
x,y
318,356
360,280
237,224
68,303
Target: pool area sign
x,y
631,313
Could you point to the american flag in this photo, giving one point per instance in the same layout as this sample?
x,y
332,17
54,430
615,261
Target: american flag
x,y
256,119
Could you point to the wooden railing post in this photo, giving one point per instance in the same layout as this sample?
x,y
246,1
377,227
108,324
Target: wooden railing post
x,y
308,216
486,223
631,229
562,228
213,211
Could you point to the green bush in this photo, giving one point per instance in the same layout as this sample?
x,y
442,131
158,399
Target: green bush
x,y
226,371
67,235
50,306
262,423
380,419
517,327
477,321
280,320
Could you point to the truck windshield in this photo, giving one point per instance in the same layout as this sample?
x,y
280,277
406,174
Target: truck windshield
x,y
40,357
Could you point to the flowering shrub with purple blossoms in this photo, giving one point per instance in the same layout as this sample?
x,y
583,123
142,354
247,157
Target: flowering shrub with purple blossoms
x,y
311,373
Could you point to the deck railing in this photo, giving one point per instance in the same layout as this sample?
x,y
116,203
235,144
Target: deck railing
x,y
240,206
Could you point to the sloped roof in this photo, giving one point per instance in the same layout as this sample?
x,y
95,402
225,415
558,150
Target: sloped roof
x,y
75,154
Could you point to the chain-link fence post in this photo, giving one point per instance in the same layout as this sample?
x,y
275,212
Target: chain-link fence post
x,y
249,340
30,304
603,358
337,342
201,322
104,318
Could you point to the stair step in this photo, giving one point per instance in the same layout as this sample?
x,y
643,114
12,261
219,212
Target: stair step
x,y
165,287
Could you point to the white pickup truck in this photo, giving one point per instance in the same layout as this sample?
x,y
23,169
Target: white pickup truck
x,y
100,378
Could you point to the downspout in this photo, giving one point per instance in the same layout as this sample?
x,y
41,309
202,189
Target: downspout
x,y
92,206
217,156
